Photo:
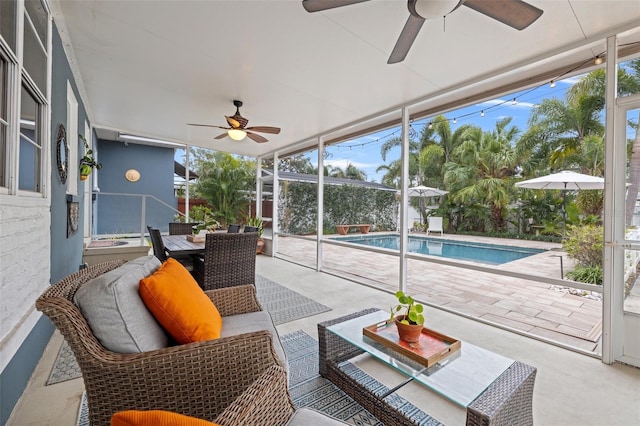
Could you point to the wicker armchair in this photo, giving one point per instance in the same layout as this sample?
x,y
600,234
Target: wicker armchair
x,y
267,403
198,379
229,260
181,228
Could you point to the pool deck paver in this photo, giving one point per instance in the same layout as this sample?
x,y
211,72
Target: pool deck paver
x,y
525,305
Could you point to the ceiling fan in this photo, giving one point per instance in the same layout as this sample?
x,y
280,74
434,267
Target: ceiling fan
x,y
237,129
514,13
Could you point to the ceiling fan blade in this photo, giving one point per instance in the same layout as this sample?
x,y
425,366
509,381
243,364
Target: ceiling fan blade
x,y
206,125
318,5
257,138
265,129
514,13
232,122
406,39
221,136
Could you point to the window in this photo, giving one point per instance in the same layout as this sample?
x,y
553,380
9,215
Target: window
x,y
8,22
35,43
30,163
4,123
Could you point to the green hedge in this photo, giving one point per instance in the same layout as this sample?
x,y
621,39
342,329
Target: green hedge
x,y
343,204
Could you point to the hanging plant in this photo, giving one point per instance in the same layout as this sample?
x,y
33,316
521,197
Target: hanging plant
x,y
87,163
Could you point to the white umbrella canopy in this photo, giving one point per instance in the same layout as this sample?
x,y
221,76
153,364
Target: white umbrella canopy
x,y
425,191
565,180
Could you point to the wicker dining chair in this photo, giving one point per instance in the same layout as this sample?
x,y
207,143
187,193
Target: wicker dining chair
x,y
181,228
158,246
160,251
197,379
228,260
248,228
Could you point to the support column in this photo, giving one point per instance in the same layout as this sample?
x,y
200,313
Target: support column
x,y
187,166
320,215
404,200
274,223
614,220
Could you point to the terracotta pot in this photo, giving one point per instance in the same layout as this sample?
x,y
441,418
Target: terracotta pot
x,y
410,333
260,246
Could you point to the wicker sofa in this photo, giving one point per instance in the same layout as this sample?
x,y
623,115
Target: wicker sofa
x,y
198,379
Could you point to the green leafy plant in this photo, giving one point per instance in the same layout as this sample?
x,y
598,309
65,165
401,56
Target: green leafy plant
x,y
411,310
585,244
87,162
257,222
205,218
587,274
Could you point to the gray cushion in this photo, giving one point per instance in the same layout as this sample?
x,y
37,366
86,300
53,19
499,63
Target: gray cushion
x,y
112,306
308,417
253,321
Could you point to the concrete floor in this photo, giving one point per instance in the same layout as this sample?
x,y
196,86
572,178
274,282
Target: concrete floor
x,y
571,388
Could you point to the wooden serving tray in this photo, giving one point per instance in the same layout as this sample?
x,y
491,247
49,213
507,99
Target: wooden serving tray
x,y
431,348
197,238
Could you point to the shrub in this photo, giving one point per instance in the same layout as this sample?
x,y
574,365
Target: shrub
x,y
587,274
585,244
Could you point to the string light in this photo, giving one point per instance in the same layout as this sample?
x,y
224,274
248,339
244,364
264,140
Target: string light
x,y
598,59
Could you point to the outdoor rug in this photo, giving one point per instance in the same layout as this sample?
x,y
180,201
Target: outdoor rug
x,y
283,304
308,389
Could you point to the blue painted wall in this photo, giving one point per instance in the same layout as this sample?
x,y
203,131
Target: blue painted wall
x,y
66,253
122,214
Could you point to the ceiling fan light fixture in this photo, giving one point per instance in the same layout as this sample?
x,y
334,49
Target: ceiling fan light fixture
x,y
430,9
237,134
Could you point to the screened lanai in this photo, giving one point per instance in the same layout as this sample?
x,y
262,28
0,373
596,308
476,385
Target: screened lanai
x,y
317,110
114,70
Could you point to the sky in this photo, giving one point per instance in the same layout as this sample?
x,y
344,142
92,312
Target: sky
x,y
364,152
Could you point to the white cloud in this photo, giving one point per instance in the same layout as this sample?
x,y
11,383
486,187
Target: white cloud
x,y
344,162
508,103
571,80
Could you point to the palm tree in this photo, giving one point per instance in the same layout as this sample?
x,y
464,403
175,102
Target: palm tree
x,y
350,172
594,84
224,182
481,169
558,128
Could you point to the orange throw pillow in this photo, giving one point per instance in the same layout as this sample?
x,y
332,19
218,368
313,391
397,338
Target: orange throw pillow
x,y
179,304
155,418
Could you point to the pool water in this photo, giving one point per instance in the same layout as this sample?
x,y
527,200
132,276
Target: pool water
x,y
462,250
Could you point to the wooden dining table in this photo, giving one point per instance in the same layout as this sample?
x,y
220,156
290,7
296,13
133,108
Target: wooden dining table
x,y
178,245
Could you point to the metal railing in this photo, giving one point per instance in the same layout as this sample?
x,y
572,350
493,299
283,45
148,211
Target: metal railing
x,y
144,198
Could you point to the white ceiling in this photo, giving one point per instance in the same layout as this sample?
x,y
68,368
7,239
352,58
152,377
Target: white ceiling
x,y
149,67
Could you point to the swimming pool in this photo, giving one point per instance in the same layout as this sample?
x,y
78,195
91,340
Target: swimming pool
x,y
462,250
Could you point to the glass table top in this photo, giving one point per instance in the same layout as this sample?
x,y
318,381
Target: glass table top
x,y
460,377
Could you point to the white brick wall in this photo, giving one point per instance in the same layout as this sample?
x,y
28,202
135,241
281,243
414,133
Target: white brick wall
x,y
24,268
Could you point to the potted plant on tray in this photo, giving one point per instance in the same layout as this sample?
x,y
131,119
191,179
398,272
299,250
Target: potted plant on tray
x,y
408,317
257,222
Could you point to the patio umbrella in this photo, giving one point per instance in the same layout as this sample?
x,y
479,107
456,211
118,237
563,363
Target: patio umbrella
x,y
424,191
565,181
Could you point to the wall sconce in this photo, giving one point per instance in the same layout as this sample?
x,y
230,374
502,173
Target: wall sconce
x,y
132,175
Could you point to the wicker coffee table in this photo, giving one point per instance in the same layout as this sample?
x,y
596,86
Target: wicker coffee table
x,y
494,390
